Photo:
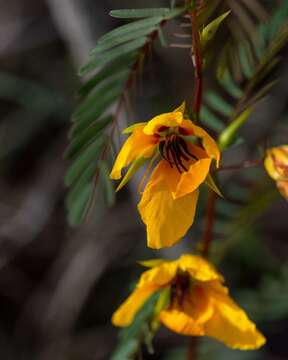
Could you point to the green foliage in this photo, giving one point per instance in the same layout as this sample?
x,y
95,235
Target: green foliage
x,y
131,338
111,71
244,74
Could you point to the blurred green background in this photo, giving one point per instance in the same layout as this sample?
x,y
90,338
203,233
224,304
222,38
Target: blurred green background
x,y
59,285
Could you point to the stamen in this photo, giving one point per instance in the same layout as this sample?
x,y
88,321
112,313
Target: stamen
x,y
174,149
178,153
184,147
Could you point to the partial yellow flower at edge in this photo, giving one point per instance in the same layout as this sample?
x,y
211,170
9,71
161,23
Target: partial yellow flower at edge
x,y
169,200
276,164
199,304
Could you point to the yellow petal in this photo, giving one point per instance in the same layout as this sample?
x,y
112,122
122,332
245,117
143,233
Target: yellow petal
x,y
230,325
209,143
283,188
125,314
181,108
137,145
181,323
187,316
167,219
159,276
172,119
277,155
132,128
149,282
199,268
193,178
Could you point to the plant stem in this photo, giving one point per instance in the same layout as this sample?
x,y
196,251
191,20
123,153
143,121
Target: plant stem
x,y
197,62
192,348
210,217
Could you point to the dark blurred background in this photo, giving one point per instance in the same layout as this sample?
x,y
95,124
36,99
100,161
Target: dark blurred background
x,y
58,285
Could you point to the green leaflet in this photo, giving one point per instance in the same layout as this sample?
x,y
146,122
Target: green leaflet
x,y
114,82
227,137
165,13
95,111
110,43
218,103
83,160
131,27
113,54
119,65
212,185
230,86
76,209
139,13
88,135
107,183
210,120
209,31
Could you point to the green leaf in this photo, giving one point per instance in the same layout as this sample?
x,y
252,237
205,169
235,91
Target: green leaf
x,y
76,210
82,182
95,111
139,13
131,27
115,82
209,119
227,137
210,30
83,160
83,139
230,86
110,43
113,54
108,185
218,103
212,185
111,70
245,61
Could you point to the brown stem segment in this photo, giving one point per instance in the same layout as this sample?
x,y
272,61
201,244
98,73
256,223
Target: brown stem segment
x,y
197,61
208,234
192,348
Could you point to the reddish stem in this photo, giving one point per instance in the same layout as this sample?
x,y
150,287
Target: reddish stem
x,y
192,348
197,61
210,217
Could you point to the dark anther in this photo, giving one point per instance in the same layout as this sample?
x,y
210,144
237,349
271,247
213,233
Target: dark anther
x,y
180,286
178,153
174,149
184,146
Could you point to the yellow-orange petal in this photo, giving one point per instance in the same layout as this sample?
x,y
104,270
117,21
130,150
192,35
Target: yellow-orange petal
x,y
137,145
230,324
275,161
181,323
159,276
199,268
125,314
283,188
167,219
193,178
208,142
188,315
133,127
172,119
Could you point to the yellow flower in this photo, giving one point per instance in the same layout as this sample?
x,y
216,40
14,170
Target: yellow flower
x,y
276,164
185,153
198,304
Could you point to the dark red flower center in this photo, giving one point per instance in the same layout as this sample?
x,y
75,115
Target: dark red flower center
x,y
174,149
